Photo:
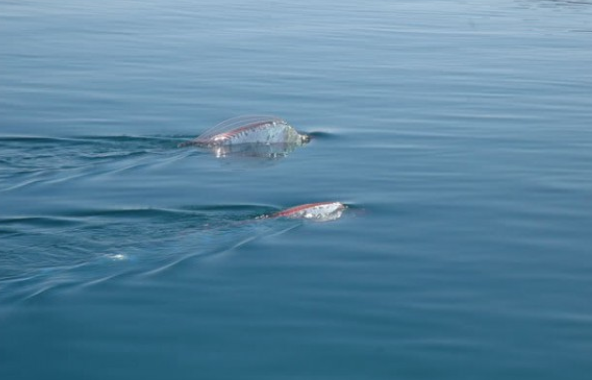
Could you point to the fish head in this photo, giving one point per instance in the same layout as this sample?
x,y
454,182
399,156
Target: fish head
x,y
304,139
326,212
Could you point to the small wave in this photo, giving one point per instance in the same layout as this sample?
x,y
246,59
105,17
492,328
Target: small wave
x,y
38,221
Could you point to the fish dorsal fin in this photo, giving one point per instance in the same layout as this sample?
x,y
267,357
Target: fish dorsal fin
x,y
238,123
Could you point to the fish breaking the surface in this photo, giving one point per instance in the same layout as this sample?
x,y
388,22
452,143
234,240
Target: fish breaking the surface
x,y
319,212
262,130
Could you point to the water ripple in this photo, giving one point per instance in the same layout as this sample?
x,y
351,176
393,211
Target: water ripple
x,y
93,246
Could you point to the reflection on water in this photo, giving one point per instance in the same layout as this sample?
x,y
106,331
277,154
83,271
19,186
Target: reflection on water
x,y
253,155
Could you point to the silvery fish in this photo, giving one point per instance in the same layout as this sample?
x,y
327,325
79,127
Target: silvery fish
x,y
251,130
318,212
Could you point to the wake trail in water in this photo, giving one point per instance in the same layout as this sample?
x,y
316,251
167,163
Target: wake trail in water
x,y
93,247
69,247
27,161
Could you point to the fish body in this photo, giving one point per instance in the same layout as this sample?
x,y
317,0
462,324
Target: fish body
x,y
319,212
264,130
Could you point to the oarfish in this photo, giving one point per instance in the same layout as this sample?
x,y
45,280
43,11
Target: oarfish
x,y
318,212
266,130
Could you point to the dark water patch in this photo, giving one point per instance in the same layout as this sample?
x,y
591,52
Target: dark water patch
x,y
38,222
321,135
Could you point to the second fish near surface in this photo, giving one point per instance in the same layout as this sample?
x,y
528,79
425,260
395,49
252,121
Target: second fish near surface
x,y
317,212
252,136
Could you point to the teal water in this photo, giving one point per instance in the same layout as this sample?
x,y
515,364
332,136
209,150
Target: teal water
x,y
457,132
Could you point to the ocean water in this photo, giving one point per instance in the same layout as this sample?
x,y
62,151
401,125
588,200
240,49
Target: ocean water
x,y
458,133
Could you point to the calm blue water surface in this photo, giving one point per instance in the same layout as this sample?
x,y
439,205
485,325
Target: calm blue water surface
x,y
458,132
